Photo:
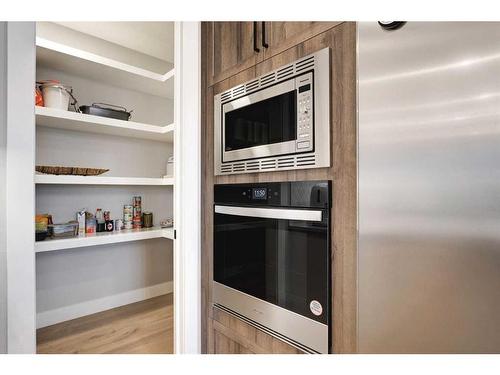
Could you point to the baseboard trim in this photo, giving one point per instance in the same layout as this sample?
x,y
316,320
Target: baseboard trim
x,y
50,317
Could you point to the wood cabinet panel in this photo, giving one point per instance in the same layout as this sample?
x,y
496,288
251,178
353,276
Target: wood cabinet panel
x,y
342,41
207,178
224,345
231,333
231,48
280,36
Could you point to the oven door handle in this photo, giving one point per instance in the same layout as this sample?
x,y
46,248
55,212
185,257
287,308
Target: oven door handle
x,y
271,213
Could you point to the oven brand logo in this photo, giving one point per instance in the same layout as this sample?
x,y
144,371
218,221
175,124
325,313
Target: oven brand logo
x,y
316,307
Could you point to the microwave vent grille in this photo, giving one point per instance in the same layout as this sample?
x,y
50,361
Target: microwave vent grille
x,y
267,79
287,162
268,164
304,64
286,72
250,86
226,96
306,160
239,90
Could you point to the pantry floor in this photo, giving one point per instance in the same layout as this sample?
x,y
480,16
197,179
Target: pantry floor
x,y
141,328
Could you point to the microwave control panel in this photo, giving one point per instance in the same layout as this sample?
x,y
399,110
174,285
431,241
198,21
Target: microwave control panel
x,y
305,115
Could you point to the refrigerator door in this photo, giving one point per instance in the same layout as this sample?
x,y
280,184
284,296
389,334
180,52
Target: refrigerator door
x,y
429,188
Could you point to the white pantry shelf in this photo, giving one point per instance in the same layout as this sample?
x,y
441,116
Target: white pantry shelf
x,y
60,119
103,238
47,179
100,68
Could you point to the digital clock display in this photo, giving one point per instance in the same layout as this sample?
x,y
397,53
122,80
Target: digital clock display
x,y
259,193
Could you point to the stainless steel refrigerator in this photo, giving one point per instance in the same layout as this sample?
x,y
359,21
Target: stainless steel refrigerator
x,y
429,188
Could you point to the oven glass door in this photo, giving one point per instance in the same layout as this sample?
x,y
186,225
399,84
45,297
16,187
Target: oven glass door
x,y
279,260
261,124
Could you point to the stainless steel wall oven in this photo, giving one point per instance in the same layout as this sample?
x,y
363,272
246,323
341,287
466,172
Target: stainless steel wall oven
x,y
272,258
280,120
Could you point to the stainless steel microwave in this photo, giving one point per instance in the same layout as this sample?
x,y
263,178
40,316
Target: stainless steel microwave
x,y
278,121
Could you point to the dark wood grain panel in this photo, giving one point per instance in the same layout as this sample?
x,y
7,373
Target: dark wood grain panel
x,y
345,191
231,49
206,178
226,345
281,36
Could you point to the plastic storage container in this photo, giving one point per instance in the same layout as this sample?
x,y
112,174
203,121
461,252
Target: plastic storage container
x,y
56,95
63,230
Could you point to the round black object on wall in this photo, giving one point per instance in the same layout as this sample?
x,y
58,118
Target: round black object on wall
x,y
391,25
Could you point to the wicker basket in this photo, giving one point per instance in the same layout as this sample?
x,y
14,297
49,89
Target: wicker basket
x,y
75,171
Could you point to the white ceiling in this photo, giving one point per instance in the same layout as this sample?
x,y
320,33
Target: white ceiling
x,y
151,38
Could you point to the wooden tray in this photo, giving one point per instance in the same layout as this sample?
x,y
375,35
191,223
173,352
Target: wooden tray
x,y
74,171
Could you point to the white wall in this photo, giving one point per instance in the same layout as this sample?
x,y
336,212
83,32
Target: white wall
x,y
3,141
123,156
146,108
78,282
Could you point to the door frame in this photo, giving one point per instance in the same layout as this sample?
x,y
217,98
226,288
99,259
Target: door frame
x,y
187,188
20,187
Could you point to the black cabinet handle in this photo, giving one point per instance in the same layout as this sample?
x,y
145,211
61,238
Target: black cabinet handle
x,y
264,43
255,48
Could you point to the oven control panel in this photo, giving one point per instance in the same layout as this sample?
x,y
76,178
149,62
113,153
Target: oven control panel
x,y
278,194
305,115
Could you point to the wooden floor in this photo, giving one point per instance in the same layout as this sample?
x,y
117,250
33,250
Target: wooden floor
x,y
143,327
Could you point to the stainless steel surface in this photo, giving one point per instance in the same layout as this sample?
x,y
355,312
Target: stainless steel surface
x,y
286,155
270,213
264,150
305,331
429,188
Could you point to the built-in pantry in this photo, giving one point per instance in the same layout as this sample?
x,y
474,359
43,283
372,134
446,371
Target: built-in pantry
x,y
104,240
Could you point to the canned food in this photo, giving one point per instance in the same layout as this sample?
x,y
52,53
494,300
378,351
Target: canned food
x,y
118,224
136,201
147,219
136,223
127,225
128,211
137,212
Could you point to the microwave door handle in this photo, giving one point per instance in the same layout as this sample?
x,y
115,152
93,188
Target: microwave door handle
x,y
271,213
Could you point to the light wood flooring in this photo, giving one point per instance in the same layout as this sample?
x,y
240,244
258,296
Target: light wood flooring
x,y
141,328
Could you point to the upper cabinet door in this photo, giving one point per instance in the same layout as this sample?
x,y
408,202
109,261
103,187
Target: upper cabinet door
x,y
279,36
232,47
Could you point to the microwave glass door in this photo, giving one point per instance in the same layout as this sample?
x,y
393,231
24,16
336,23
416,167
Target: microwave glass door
x,y
283,262
265,122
